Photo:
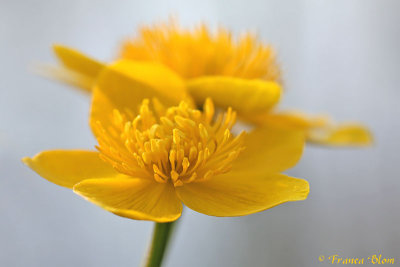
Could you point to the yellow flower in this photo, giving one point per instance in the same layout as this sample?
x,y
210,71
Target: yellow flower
x,y
197,53
152,157
239,73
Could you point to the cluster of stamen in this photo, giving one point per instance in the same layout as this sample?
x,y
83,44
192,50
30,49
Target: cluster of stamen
x,y
179,144
202,51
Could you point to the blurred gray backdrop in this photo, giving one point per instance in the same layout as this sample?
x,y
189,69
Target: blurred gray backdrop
x,y
339,57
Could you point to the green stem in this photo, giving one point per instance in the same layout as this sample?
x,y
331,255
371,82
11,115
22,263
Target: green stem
x,y
159,243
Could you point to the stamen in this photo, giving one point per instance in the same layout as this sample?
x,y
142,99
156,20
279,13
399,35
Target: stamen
x,y
159,179
180,145
243,57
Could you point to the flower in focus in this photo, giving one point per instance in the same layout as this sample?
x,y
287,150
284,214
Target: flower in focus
x,y
153,157
216,65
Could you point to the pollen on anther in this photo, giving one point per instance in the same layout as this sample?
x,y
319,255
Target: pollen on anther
x,y
177,145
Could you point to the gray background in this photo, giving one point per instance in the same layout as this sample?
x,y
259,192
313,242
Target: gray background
x,y
339,57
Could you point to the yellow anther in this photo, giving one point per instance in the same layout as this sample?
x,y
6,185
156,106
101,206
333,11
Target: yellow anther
x,y
199,159
167,122
171,145
183,108
203,132
144,108
196,114
178,183
185,123
174,176
233,120
139,160
227,135
155,131
192,153
176,137
159,179
157,171
154,145
185,165
172,158
179,155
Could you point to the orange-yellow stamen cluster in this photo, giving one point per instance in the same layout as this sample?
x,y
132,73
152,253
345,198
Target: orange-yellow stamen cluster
x,y
178,144
200,52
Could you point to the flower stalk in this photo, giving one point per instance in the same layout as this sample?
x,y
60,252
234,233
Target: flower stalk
x,y
159,243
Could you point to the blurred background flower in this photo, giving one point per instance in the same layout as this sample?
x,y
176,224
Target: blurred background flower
x,y
338,57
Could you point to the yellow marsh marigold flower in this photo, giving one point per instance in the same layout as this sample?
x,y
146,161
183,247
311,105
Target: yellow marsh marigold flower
x,y
149,162
199,52
239,73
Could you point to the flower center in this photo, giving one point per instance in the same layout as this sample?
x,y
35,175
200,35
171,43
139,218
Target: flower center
x,y
178,144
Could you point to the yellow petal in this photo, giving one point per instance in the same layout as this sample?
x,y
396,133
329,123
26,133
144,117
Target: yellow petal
x,y
289,120
318,129
271,150
120,87
66,76
341,135
69,167
253,184
78,69
162,79
134,198
243,95
242,193
74,60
